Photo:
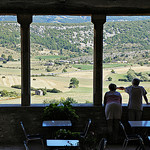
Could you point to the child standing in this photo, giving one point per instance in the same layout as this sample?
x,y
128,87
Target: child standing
x,y
136,93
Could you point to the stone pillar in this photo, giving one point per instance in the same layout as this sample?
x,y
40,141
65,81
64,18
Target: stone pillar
x,y
25,21
98,21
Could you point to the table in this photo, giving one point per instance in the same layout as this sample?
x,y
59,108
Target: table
x,y
140,124
61,143
143,126
57,123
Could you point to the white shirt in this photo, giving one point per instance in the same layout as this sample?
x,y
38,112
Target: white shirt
x,y
135,97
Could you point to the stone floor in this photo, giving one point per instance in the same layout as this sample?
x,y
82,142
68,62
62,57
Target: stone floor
x,y
39,147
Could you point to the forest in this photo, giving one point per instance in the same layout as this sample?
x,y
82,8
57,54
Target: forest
x,y
123,41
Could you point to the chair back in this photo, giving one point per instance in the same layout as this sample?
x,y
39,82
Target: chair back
x,y
102,144
87,128
23,129
123,129
25,145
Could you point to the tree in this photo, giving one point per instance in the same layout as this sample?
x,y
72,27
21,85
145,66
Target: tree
x,y
4,61
74,83
3,56
49,69
144,77
109,78
61,51
4,93
131,75
112,71
64,70
10,58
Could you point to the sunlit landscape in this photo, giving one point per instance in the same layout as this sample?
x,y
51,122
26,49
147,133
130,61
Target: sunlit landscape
x,y
62,51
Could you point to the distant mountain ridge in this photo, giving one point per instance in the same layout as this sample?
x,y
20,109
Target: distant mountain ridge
x,y
74,19
126,41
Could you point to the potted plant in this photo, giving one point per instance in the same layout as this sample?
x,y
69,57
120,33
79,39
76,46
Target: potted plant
x,y
62,110
67,134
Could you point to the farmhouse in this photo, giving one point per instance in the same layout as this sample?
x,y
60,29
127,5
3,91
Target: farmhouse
x,y
49,64
39,92
11,115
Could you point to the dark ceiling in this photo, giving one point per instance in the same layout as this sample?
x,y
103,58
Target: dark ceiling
x,y
76,7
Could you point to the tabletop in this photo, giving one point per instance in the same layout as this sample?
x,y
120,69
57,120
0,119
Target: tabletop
x,y
145,124
57,123
62,143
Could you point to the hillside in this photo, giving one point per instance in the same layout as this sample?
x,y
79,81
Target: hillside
x,y
123,41
74,19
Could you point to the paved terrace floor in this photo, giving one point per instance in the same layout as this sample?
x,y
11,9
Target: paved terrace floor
x,y
39,147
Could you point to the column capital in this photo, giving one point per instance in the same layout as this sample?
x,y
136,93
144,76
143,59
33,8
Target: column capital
x,y
24,19
98,18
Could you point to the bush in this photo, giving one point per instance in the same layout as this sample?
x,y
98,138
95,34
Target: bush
x,y
112,71
60,111
125,80
4,61
71,100
54,90
64,70
67,134
144,77
5,93
16,86
49,69
109,78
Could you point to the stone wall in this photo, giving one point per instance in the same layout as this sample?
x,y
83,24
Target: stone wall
x,y
11,132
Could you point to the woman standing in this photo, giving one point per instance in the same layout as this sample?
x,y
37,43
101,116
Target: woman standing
x,y
113,111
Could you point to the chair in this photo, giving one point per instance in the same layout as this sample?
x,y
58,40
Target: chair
x,y
25,145
84,133
31,137
102,144
134,137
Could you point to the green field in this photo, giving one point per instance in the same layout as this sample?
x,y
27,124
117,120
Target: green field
x,y
83,67
113,65
61,81
90,67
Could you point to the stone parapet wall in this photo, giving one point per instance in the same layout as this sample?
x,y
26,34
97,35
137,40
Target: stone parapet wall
x,y
11,132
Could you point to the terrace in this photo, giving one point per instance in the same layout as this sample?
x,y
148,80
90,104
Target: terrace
x,y
11,115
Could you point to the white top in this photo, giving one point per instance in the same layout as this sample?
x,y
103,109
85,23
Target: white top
x,y
135,97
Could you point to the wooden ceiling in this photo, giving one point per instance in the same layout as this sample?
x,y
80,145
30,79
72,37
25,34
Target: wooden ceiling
x,y
75,7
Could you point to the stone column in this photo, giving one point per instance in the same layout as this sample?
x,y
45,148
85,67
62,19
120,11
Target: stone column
x,y
25,21
98,21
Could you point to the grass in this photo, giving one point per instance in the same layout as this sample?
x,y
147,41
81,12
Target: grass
x,y
81,94
80,90
83,66
90,67
113,65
